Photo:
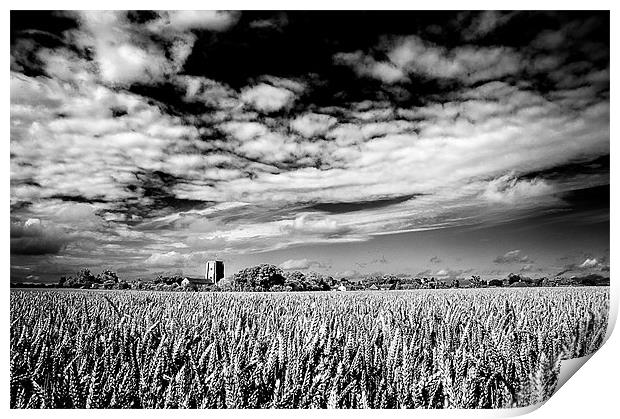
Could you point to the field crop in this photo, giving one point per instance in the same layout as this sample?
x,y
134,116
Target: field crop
x,y
416,349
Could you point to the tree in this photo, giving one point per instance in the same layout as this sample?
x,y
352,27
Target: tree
x,y
84,276
109,284
512,278
188,285
318,282
258,278
282,288
106,276
123,285
295,280
169,279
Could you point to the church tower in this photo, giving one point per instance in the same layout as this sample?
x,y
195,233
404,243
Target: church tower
x,y
214,271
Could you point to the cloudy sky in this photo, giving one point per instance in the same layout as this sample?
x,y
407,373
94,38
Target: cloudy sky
x,y
433,143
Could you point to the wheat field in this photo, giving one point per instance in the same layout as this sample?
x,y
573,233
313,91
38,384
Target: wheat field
x,y
487,348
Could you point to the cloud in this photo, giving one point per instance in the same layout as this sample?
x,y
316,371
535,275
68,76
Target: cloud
x,y
271,147
589,263
126,55
508,189
206,91
296,86
348,274
485,23
35,238
366,66
467,63
449,274
182,20
413,55
312,124
124,134
314,224
266,98
513,256
381,260
301,264
245,131
172,258
527,268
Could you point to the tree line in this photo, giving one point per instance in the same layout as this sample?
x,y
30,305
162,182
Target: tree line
x,y
267,277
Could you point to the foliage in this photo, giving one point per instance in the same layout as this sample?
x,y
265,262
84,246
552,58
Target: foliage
x,y
490,348
495,283
267,277
298,281
258,278
107,276
475,281
512,278
83,279
169,279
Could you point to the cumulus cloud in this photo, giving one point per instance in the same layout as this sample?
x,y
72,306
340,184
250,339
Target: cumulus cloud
x,y
182,20
245,131
266,98
312,124
126,56
508,189
413,55
513,256
449,274
367,66
206,91
589,263
470,64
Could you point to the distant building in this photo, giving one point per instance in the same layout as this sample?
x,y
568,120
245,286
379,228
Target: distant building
x,y
214,271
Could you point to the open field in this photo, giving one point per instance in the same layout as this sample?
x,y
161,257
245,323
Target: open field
x,y
427,348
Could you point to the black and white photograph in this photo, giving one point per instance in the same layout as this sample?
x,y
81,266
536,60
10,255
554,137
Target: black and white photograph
x,y
308,209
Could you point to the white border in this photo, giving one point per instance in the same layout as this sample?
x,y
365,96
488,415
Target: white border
x,y
591,393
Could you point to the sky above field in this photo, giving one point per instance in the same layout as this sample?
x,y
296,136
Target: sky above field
x,y
427,143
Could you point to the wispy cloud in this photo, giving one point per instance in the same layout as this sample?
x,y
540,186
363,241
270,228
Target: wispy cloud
x,y
300,264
